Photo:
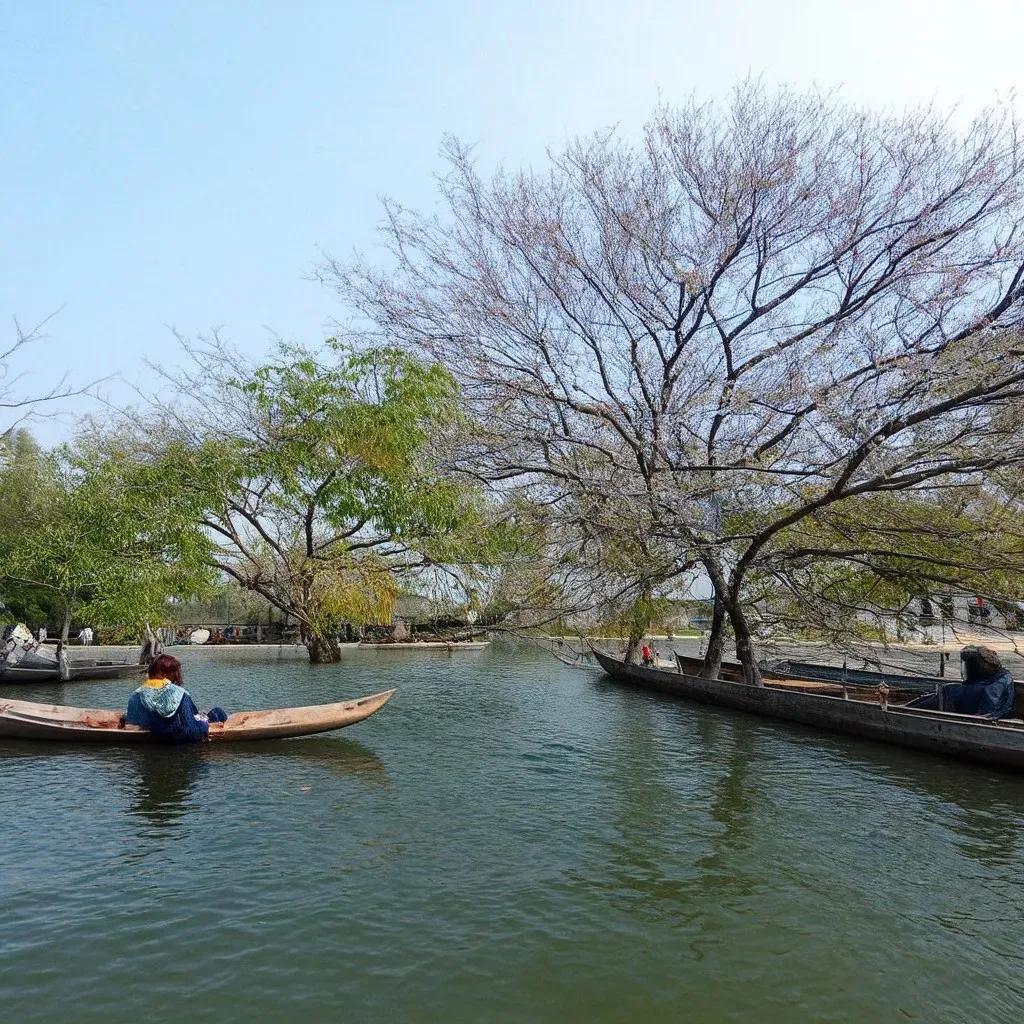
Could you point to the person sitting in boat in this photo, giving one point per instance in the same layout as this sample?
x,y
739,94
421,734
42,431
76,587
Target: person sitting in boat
x,y
163,706
987,687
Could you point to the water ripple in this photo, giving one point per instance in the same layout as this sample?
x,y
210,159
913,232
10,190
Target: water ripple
x,y
508,840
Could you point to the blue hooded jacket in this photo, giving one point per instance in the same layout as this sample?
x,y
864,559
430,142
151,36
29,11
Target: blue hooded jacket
x,y
991,697
168,712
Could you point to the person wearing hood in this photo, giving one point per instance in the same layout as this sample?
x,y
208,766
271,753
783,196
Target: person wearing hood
x,y
986,690
164,707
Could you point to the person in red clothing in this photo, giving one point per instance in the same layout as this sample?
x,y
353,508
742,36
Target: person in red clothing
x,y
646,658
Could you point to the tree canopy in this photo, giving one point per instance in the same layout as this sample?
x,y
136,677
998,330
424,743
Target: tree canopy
x,y
323,480
765,318
106,533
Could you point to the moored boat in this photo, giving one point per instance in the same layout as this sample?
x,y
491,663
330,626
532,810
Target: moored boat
x,y
805,671
23,659
824,705
77,670
840,674
27,720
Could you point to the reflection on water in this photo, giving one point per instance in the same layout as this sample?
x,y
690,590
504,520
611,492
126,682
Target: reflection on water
x,y
164,780
734,794
985,806
657,811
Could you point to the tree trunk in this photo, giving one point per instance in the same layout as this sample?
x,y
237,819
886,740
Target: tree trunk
x,y
744,644
716,641
639,623
633,642
322,650
62,643
151,646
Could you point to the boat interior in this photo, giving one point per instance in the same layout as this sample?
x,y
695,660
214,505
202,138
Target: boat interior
x,y
860,691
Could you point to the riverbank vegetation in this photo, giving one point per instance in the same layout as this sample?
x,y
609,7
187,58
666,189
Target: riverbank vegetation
x,y
771,353
94,532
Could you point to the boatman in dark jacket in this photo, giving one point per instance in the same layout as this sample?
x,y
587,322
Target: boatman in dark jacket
x,y
986,690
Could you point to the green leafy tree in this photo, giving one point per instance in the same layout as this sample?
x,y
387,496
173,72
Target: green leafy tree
x,y
102,530
324,483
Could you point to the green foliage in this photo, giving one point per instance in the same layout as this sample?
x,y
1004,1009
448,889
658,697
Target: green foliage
x,y
878,553
101,528
324,486
642,616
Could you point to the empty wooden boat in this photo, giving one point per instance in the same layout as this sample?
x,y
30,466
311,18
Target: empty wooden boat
x,y
77,670
860,712
22,719
838,674
856,680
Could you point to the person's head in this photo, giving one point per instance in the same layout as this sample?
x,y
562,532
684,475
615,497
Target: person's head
x,y
166,667
978,662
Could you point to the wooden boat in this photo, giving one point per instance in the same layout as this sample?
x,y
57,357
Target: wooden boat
x,y
838,674
823,705
805,671
20,719
77,670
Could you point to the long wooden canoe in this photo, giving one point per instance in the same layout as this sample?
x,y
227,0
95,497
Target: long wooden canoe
x,y
836,674
77,670
941,732
813,672
22,719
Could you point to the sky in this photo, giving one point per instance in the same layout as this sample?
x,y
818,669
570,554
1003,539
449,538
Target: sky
x,y
181,165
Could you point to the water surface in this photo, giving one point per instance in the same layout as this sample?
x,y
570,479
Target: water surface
x,y
509,839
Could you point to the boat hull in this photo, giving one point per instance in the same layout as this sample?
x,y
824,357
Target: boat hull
x,y
832,673
951,735
78,671
30,721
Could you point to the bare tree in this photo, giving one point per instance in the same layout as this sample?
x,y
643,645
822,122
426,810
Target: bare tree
x,y
15,403
766,311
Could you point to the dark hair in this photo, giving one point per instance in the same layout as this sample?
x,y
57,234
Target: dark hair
x,y
980,662
166,667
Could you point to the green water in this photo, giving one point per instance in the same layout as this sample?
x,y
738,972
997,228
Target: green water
x,y
508,840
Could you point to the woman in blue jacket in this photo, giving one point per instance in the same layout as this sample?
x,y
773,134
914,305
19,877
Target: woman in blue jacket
x,y
163,706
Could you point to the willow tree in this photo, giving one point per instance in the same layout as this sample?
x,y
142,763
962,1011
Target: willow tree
x,y
324,487
765,310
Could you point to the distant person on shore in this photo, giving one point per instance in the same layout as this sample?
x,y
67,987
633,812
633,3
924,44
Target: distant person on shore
x,y
85,636
41,635
163,706
986,690
646,658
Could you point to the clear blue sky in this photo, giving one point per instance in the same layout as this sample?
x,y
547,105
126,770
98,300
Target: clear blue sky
x,y
180,163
